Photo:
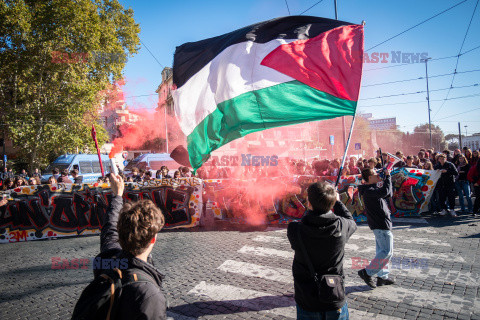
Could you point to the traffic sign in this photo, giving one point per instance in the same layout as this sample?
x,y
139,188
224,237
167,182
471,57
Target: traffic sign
x,y
125,162
124,154
332,140
358,146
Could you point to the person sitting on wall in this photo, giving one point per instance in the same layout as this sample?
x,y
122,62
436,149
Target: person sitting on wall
x,y
165,172
56,173
76,178
64,177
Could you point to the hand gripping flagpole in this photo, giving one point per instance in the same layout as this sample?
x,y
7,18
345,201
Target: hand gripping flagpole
x,y
94,136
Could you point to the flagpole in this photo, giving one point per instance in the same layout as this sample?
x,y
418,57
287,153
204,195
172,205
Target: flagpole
x,y
348,143
346,149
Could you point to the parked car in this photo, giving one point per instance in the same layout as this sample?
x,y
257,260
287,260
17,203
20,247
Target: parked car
x,y
152,162
87,165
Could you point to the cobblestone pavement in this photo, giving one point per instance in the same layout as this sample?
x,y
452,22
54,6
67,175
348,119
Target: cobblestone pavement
x,y
246,274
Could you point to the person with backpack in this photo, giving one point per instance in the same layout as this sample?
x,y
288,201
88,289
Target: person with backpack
x,y
126,241
319,243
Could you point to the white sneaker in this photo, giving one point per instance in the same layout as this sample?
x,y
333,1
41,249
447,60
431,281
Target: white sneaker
x,y
443,212
453,213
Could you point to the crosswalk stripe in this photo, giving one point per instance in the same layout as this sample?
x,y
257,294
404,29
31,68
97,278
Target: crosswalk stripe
x,y
254,300
369,253
407,269
263,302
409,220
416,297
406,239
271,239
266,252
258,271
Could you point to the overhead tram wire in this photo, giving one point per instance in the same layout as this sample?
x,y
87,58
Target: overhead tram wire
x,y
457,114
287,7
418,24
311,7
417,92
161,65
458,58
421,101
420,78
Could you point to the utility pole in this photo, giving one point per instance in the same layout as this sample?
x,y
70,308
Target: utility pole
x,y
166,127
428,101
336,16
459,137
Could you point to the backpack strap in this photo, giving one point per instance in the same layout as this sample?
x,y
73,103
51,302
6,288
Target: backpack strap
x,y
137,275
112,289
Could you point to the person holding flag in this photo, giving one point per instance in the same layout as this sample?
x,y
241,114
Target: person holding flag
x,y
379,221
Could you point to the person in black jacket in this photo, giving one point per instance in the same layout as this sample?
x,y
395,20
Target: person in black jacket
x,y
446,185
131,234
324,234
379,221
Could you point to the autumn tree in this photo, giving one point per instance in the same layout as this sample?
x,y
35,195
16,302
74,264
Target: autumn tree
x,y
55,57
420,138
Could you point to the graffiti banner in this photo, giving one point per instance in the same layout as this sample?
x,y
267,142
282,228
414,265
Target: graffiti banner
x,y
44,211
232,199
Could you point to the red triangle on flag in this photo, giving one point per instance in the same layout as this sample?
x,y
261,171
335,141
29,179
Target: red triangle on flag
x,y
330,62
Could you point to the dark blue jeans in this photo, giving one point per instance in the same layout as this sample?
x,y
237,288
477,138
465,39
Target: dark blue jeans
x,y
340,314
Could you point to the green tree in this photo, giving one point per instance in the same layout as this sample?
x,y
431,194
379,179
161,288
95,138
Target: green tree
x,y
55,57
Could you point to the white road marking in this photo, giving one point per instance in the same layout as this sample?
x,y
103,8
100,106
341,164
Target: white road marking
x,y
410,220
255,300
267,252
369,253
402,239
271,239
258,271
419,298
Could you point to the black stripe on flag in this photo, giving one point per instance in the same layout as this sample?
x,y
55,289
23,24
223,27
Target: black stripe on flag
x,y
191,57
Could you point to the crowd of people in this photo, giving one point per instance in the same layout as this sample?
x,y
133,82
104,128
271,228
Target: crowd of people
x,y
460,174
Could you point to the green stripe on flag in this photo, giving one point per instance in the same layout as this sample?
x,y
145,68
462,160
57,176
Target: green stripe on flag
x,y
280,105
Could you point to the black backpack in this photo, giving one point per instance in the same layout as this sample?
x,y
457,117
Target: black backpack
x,y
99,300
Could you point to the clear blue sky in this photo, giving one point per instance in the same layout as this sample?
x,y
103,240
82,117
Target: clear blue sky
x,y
167,24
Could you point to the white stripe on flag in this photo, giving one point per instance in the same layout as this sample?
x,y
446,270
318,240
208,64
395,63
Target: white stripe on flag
x,y
258,271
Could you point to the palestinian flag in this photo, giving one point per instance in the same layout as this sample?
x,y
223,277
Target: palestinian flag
x,y
274,73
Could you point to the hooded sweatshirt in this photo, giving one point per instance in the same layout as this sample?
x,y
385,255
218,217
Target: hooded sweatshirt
x,y
376,208
324,237
139,300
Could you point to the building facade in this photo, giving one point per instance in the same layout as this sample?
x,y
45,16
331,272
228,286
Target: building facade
x,y
472,142
164,90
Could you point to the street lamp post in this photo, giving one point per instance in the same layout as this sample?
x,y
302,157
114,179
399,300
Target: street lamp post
x,y
428,100
466,134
